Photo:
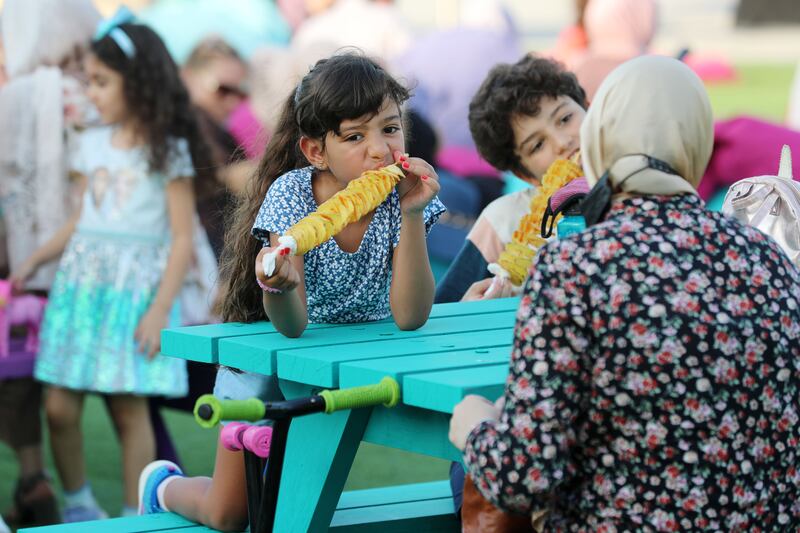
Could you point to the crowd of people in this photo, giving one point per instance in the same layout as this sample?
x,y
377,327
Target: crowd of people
x,y
653,383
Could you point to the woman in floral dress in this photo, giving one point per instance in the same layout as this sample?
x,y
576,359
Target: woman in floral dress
x,y
654,378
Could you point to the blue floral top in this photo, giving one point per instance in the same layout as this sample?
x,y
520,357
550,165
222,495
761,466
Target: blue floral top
x,y
654,382
340,286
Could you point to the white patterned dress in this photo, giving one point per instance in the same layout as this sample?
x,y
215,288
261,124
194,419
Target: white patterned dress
x,y
109,274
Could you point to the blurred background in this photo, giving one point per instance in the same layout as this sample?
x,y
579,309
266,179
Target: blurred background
x,y
746,51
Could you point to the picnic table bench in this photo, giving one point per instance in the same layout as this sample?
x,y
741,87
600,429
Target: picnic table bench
x,y
463,349
419,507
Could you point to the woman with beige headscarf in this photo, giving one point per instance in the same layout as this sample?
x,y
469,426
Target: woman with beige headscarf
x,y
652,380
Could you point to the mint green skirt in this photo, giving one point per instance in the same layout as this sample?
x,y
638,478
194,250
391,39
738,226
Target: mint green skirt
x,y
103,287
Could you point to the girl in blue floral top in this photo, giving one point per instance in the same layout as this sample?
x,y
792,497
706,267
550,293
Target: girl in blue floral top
x,y
344,118
654,382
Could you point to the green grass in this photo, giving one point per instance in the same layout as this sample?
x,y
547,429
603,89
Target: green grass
x,y
375,466
762,90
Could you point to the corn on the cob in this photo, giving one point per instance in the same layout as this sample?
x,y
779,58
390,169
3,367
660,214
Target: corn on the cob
x,y
518,254
361,196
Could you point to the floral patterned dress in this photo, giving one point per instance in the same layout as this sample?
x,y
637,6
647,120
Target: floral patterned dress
x,y
654,379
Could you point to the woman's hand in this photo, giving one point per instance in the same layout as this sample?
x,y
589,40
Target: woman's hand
x,y
467,414
23,273
148,332
488,289
420,185
285,278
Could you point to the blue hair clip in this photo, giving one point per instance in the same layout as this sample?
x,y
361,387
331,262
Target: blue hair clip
x,y
111,28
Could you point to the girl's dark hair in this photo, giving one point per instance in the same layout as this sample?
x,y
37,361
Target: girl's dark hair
x,y
343,87
510,90
155,94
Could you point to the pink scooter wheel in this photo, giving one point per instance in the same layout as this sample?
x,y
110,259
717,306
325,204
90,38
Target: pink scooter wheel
x,y
257,439
231,436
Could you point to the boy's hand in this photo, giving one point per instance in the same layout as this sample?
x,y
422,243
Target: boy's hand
x,y
420,185
148,332
285,277
488,289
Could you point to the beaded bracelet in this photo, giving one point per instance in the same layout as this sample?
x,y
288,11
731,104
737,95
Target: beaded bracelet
x,y
266,288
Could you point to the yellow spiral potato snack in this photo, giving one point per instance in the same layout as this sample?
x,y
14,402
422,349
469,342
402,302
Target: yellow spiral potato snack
x,y
518,254
361,196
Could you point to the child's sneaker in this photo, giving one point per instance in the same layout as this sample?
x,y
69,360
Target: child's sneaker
x,y
151,477
83,513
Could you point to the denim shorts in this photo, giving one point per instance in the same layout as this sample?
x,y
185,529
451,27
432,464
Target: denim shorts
x,y
232,385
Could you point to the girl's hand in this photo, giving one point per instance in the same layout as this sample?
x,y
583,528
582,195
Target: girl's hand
x,y
467,414
420,185
148,332
285,277
22,274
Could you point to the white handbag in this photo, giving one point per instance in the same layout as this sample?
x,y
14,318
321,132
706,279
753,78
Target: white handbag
x,y
771,204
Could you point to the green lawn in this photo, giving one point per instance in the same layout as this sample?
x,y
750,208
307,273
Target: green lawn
x,y
375,466
761,91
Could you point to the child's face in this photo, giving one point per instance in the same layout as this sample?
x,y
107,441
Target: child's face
x,y
365,143
106,90
552,134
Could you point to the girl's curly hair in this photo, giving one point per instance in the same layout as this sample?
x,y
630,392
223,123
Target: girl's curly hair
x,y
155,94
510,90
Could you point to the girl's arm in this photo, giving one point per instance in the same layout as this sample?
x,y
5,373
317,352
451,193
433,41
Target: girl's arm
x,y
287,310
180,204
54,247
411,294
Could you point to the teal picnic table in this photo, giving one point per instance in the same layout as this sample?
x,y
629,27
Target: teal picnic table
x,y
462,349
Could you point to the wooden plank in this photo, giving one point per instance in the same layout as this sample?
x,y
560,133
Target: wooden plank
x,y
412,429
159,522
478,307
429,516
441,391
411,492
414,507
200,343
314,357
353,374
321,367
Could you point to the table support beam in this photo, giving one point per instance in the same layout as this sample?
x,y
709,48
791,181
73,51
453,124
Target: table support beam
x,y
319,453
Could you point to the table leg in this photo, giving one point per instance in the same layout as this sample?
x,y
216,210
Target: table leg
x,y
319,453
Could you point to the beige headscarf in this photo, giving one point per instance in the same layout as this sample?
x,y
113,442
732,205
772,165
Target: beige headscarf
x,y
654,106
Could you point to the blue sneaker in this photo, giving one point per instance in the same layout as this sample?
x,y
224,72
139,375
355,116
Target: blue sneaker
x,y
83,513
149,480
